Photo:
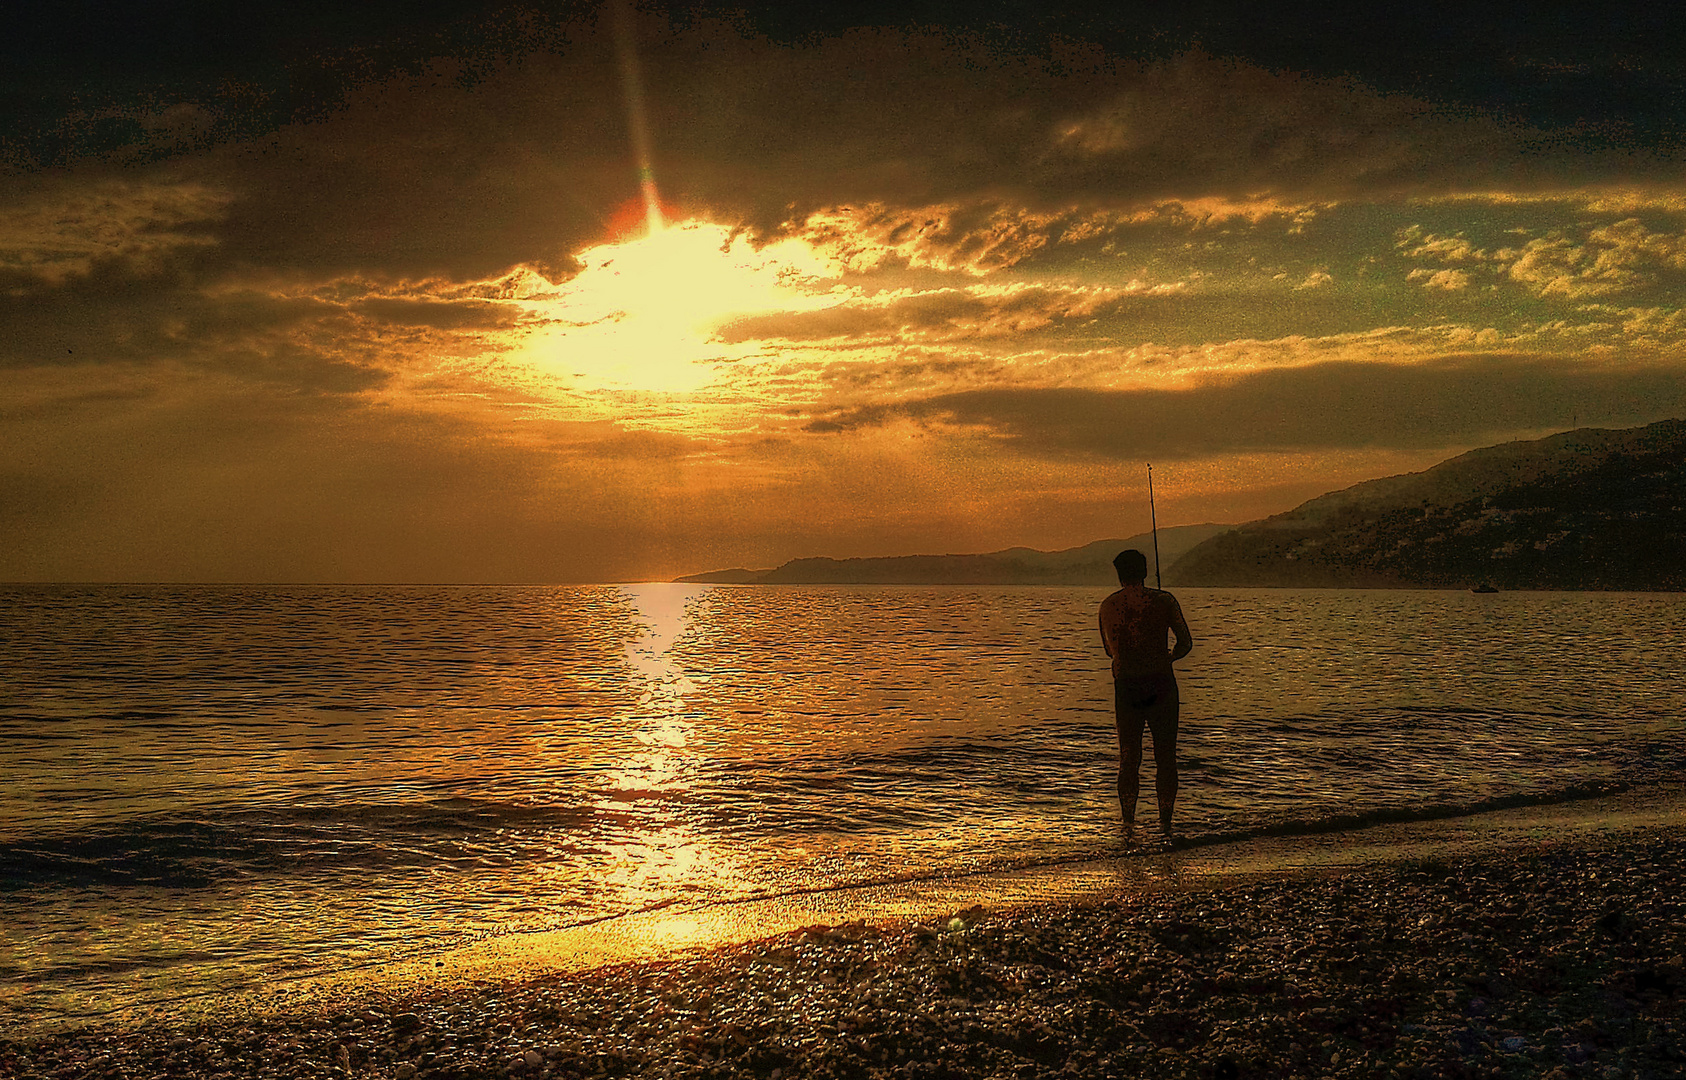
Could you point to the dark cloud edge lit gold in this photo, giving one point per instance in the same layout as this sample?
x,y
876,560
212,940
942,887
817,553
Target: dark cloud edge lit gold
x,y
992,272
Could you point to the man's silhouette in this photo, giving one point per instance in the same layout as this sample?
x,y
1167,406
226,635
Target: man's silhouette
x,y
1134,622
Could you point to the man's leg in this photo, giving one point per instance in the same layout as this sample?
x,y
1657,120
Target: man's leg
x,y
1129,722
1162,721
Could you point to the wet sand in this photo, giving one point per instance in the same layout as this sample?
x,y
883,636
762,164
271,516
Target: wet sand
x,y
1532,942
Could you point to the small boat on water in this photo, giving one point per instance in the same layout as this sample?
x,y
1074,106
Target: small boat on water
x,y
1485,587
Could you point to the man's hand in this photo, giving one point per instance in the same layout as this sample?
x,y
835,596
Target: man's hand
x,y
1179,627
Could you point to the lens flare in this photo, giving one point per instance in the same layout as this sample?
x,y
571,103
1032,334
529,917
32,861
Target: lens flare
x,y
632,84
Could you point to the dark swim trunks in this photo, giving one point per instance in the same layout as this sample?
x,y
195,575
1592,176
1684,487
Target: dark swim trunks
x,y
1134,700
1141,691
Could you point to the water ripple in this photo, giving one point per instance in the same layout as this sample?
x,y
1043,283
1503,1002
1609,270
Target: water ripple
x,y
212,785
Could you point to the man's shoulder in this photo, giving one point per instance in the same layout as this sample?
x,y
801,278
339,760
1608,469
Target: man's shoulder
x,y
1163,598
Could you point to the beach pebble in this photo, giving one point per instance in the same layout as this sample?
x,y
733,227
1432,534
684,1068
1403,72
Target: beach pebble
x,y
1303,975
1466,1040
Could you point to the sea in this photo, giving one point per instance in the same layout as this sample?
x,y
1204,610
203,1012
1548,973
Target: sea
x,y
207,789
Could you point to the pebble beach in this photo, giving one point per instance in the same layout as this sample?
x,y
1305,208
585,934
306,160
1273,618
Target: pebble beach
x,y
1556,959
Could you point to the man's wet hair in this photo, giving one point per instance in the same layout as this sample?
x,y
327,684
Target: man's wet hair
x,y
1131,566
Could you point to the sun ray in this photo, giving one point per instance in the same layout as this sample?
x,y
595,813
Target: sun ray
x,y
632,82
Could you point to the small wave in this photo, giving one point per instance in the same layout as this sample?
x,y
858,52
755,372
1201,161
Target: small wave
x,y
1363,819
204,851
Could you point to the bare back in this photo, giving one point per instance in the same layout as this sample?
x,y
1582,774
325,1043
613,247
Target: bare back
x,y
1134,622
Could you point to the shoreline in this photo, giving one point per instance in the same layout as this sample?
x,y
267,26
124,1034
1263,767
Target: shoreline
x,y
680,929
1525,940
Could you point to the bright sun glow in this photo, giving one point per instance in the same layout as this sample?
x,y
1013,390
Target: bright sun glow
x,y
644,313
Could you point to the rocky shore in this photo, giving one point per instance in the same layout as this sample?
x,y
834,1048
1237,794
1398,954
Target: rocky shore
x,y
1555,961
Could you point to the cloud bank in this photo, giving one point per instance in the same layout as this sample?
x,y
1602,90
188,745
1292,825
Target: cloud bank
x,y
377,307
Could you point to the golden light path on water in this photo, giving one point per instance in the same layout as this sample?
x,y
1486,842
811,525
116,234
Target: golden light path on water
x,y
658,852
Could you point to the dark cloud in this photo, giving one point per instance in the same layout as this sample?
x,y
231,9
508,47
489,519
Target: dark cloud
x,y
1612,74
915,120
93,224
427,178
464,160
75,73
291,367
285,343
100,78
248,257
1464,400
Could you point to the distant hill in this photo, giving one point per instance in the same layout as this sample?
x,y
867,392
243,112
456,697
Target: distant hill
x,y
1090,564
735,576
1586,509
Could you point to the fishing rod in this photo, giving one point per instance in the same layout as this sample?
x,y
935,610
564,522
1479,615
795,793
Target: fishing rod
x,y
1154,516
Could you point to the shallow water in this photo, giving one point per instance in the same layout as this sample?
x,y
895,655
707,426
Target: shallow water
x,y
209,786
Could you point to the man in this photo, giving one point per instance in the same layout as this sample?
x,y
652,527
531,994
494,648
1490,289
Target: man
x,y
1134,622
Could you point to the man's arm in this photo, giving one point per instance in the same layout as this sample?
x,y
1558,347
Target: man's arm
x,y
1105,644
1179,627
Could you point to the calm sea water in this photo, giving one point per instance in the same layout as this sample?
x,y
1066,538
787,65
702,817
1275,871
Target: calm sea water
x,y
207,787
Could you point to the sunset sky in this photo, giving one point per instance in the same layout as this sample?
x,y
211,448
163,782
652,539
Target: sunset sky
x,y
304,293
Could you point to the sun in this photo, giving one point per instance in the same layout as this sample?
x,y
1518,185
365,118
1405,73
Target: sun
x,y
645,314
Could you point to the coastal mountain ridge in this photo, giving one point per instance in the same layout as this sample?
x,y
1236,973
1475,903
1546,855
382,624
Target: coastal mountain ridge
x,y
1090,564
1592,508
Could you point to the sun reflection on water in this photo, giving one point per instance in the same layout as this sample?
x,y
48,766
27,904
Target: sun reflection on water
x,y
655,848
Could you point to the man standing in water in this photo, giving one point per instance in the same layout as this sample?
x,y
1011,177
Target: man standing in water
x,y
1134,622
